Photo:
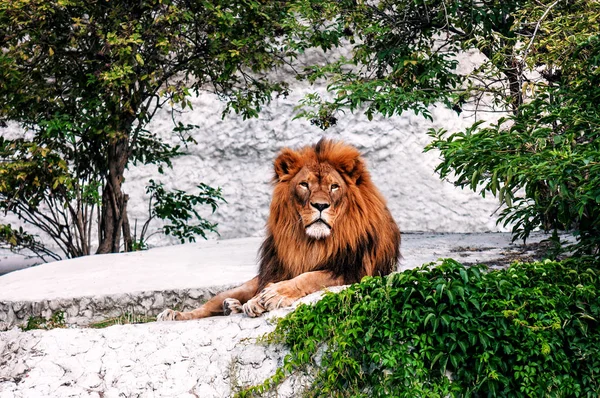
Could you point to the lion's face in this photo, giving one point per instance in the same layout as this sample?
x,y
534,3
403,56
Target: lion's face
x,y
315,188
318,194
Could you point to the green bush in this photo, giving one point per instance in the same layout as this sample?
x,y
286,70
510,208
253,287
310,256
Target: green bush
x,y
84,78
529,330
56,321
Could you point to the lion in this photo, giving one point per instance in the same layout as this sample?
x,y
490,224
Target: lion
x,y
328,226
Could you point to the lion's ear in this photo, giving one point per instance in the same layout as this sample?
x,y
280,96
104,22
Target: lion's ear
x,y
355,169
349,162
287,164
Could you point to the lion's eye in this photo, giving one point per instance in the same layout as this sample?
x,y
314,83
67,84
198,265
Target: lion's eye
x,y
334,187
304,184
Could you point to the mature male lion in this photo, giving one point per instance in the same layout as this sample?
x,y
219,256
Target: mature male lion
x,y
328,226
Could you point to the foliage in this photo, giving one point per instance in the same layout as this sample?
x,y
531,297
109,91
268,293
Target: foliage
x,y
539,69
84,78
41,187
17,240
56,320
404,54
529,330
125,319
179,208
544,160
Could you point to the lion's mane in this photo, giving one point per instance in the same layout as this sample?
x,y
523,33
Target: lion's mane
x,y
364,241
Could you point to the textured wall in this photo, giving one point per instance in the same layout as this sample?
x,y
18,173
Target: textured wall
x,y
237,155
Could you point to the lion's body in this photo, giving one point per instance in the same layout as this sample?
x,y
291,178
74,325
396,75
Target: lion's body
x,y
328,225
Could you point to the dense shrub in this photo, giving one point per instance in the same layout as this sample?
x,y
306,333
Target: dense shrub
x,y
529,330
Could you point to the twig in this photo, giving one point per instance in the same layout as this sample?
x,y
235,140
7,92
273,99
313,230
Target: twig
x,y
537,27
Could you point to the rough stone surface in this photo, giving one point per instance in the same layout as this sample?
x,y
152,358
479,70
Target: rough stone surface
x,y
212,357
83,311
205,358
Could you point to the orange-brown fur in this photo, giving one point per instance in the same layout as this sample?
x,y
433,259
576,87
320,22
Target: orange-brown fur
x,y
354,235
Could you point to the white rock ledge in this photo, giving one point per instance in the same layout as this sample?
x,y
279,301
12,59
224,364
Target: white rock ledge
x,y
205,358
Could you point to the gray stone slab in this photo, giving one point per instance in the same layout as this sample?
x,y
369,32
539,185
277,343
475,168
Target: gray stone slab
x,y
200,265
90,289
211,264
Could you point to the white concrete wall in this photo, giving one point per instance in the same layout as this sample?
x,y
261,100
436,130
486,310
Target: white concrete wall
x,y
237,155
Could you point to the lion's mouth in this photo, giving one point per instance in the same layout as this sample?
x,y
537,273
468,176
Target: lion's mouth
x,y
318,221
318,229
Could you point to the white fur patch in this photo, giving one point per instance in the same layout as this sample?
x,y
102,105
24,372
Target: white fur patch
x,y
318,230
166,315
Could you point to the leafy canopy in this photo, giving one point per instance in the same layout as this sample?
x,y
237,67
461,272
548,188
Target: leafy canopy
x,y
538,70
543,161
84,78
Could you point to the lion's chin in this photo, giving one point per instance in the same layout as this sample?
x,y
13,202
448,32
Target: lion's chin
x,y
318,230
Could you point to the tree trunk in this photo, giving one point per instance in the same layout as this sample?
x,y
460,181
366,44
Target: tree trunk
x,y
114,201
127,241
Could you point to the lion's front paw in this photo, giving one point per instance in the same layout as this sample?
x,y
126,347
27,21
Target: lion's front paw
x,y
277,295
232,306
167,315
253,308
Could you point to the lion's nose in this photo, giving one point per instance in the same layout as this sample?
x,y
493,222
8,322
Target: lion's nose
x,y
320,206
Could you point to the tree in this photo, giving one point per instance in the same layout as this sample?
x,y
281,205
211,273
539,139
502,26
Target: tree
x,y
85,78
539,71
17,240
179,209
543,160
